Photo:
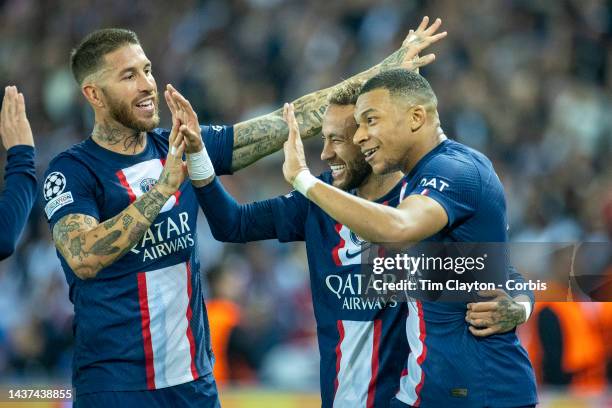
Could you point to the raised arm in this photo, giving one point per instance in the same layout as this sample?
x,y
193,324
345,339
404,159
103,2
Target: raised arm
x,y
89,246
20,175
261,136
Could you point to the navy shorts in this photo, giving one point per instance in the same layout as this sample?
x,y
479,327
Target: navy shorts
x,y
395,403
201,393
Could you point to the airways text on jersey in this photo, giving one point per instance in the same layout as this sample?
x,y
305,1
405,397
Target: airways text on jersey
x,y
165,237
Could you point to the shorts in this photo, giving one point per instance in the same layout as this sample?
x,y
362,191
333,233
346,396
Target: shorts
x,y
201,393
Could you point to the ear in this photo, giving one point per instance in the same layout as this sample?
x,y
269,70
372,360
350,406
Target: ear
x,y
93,94
417,115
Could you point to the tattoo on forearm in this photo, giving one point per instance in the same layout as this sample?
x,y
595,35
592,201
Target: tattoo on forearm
x,y
109,224
104,246
262,136
76,248
127,220
150,204
510,316
137,232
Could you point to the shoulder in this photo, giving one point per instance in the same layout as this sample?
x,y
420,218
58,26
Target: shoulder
x,y
75,156
160,135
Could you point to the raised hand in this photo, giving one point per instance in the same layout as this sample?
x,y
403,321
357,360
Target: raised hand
x,y
185,117
175,170
416,41
14,126
295,160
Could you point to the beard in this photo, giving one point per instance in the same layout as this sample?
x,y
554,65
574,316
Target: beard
x,y
123,113
357,174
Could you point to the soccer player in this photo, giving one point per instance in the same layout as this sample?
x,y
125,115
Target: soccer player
x,y
124,224
19,175
361,336
451,194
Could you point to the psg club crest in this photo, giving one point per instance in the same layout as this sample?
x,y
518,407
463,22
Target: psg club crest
x,y
147,184
54,185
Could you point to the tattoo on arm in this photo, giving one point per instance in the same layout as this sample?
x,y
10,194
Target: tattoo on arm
x,y
150,204
510,315
104,246
259,137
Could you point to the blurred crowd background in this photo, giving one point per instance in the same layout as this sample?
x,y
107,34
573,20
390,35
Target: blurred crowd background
x,y
529,83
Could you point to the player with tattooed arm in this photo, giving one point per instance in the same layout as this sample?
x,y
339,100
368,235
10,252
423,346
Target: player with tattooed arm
x,y
124,223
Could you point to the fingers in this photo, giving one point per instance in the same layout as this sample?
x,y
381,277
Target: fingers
x,y
434,27
170,102
493,293
423,24
419,62
483,332
189,135
483,306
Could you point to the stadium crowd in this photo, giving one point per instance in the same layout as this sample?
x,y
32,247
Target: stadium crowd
x,y
528,83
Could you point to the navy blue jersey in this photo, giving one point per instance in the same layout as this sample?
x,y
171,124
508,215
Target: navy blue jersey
x,y
140,323
18,196
361,337
448,366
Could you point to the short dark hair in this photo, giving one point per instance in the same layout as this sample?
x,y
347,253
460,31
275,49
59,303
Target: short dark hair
x,y
345,94
88,56
401,82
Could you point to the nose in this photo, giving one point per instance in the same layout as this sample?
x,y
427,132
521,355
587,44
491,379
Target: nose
x,y
327,153
360,136
146,83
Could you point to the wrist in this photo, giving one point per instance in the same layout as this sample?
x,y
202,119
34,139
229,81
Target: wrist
x,y
200,166
164,190
304,181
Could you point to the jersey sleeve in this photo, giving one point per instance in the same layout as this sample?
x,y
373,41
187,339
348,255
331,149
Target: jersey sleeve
x,y
454,183
230,221
515,275
17,198
290,212
69,188
219,142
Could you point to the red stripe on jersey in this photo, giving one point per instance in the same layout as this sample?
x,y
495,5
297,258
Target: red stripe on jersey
x,y
338,352
340,245
194,371
126,185
146,329
374,378
177,196
421,358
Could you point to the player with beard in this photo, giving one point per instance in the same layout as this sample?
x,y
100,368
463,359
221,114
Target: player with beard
x,y
124,224
451,195
19,175
362,341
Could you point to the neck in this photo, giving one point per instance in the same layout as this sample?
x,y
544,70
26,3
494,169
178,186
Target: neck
x,y
420,149
118,138
376,186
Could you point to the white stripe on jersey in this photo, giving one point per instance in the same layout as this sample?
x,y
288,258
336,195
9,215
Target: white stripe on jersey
x,y
168,300
355,365
412,381
140,176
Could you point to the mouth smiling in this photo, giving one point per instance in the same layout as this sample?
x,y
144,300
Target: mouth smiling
x,y
146,105
369,153
337,169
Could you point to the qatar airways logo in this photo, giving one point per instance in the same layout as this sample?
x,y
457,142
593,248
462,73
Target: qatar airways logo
x,y
434,183
169,236
358,291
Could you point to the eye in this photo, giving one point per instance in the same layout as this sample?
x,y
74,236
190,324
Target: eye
x,y
129,77
371,120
